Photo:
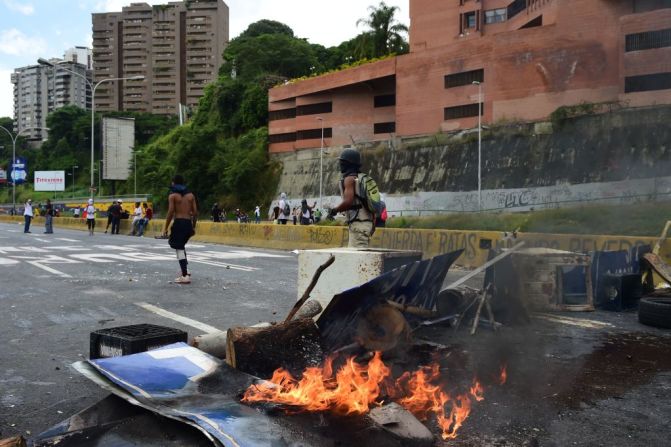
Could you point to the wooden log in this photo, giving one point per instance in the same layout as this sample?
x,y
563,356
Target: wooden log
x,y
17,441
292,345
311,286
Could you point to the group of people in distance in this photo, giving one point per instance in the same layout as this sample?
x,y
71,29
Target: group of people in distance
x,y
304,214
218,214
142,215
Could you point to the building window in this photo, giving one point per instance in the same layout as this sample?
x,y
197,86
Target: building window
x,y
283,114
496,15
464,78
314,109
648,40
282,138
469,19
465,111
384,128
313,134
385,100
647,83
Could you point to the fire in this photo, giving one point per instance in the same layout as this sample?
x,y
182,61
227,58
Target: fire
x,y
503,377
355,388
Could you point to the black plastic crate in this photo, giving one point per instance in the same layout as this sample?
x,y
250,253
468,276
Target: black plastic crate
x,y
125,340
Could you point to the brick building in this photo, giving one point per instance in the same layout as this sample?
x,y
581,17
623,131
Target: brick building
x,y
177,47
529,56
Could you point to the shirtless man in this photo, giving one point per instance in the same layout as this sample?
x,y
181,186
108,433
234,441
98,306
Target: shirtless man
x,y
182,211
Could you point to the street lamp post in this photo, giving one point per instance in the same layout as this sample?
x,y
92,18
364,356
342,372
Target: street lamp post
x,y
93,105
479,84
321,165
14,138
73,180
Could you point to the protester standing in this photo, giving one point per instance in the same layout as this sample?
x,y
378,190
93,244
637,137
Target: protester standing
x,y
285,210
182,213
359,219
257,214
115,211
27,215
91,217
48,218
137,219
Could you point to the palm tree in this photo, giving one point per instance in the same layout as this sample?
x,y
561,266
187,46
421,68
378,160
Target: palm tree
x,y
385,33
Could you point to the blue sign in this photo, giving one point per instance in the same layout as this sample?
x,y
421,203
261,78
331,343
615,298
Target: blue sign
x,y
19,171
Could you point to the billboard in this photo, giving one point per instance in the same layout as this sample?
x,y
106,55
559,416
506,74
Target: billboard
x,y
19,171
49,180
118,142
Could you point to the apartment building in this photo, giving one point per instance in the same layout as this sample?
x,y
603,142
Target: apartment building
x,y
503,59
40,89
177,47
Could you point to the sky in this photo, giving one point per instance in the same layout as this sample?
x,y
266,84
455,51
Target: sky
x,y
30,29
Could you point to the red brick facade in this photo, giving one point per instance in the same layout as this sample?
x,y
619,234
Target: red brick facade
x,y
531,57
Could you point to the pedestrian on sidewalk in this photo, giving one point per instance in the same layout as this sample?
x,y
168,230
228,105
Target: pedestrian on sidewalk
x,y
182,213
91,217
27,215
48,218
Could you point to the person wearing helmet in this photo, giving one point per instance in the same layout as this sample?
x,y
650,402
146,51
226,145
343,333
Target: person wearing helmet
x,y
90,217
359,219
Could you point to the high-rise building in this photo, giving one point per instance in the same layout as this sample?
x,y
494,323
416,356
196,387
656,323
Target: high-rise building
x,y
81,55
177,47
40,89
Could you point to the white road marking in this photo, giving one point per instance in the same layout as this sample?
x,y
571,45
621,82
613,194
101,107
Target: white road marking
x,y
67,240
49,269
222,264
180,319
42,240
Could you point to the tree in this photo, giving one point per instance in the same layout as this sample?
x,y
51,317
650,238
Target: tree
x,y
385,35
266,27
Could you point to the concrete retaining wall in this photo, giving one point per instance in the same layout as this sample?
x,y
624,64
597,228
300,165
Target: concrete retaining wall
x,y
429,242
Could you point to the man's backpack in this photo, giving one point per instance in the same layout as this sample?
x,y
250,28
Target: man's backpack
x,y
369,194
287,209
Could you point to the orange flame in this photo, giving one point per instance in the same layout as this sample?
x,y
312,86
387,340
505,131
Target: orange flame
x,y
477,391
503,377
352,391
355,388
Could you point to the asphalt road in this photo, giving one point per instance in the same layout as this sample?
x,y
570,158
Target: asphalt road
x,y
585,379
55,289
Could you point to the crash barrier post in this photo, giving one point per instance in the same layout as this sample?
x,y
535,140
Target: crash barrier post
x,y
430,242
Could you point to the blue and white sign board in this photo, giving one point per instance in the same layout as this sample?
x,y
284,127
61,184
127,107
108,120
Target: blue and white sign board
x,y
19,171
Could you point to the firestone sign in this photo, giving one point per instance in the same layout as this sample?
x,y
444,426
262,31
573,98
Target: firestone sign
x,y
49,180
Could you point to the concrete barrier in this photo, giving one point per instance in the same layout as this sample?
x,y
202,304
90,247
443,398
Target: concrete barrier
x,y
429,242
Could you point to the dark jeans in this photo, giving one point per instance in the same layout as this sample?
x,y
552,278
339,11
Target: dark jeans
x,y
115,224
26,227
48,224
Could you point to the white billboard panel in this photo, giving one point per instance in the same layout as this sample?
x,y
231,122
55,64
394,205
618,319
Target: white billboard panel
x,y
118,142
49,180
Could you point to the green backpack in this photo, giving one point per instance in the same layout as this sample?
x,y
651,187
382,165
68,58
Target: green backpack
x,y
369,194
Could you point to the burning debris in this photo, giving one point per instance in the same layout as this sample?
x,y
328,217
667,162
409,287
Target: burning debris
x,y
354,389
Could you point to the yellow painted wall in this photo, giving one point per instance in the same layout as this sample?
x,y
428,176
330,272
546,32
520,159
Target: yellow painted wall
x,y
430,242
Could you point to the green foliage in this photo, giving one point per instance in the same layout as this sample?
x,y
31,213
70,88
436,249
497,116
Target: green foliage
x,y
266,26
564,113
385,35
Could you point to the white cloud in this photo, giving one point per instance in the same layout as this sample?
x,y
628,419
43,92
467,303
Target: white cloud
x,y
23,8
15,43
6,94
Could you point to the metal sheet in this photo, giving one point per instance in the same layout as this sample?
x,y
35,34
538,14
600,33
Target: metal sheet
x,y
416,284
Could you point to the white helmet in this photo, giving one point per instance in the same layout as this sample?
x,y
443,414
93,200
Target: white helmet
x,y
120,201
90,201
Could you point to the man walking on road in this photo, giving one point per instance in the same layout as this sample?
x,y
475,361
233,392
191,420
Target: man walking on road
x,y
359,219
27,215
182,212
